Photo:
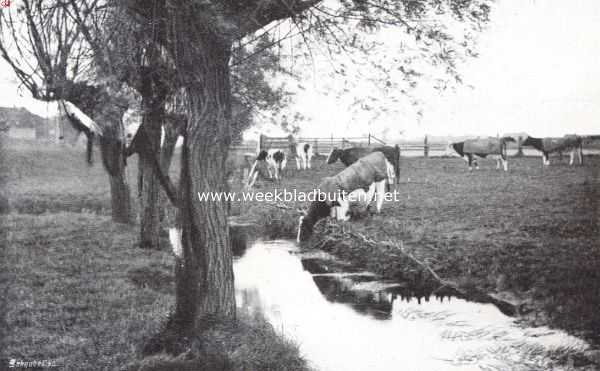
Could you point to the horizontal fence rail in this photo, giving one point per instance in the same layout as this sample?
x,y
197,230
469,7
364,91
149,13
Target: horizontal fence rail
x,y
322,146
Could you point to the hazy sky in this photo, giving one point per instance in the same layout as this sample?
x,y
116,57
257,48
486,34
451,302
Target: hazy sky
x,y
538,71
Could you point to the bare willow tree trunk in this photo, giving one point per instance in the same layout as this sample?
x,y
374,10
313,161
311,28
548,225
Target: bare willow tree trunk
x,y
150,185
204,277
113,158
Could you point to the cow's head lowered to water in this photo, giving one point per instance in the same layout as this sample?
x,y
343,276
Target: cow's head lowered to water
x,y
369,173
327,198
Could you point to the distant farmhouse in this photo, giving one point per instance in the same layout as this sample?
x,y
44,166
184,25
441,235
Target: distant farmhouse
x,y
19,123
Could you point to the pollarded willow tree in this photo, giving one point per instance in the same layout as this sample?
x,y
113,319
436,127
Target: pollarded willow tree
x,y
101,59
51,59
200,37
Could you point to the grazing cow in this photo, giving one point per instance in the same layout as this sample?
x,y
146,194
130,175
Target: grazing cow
x,y
493,147
369,173
571,143
277,161
268,164
350,155
303,153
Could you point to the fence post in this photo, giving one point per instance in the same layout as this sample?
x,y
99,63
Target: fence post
x,y
369,140
316,146
261,142
425,148
519,146
397,164
331,144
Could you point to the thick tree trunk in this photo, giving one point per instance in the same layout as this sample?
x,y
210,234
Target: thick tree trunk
x,y
120,197
204,277
150,186
149,205
113,158
153,93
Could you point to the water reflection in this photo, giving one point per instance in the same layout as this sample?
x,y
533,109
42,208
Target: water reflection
x,y
353,322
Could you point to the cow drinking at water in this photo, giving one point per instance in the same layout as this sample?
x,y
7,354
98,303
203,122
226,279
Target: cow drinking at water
x,y
369,173
571,143
487,147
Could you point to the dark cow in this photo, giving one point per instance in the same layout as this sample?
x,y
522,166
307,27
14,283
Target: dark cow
x,y
571,143
486,147
367,177
350,155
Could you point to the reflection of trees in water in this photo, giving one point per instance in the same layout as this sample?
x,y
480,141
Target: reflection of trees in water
x,y
378,304
339,290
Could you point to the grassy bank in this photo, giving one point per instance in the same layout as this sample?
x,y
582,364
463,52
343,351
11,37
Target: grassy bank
x,y
78,292
530,236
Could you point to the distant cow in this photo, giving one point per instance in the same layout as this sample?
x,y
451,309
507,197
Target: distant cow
x,y
369,173
303,153
277,161
350,155
487,147
571,143
269,164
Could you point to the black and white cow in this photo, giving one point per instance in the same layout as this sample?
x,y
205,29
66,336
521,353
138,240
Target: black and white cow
x,y
571,143
303,153
490,147
350,155
365,179
269,164
277,161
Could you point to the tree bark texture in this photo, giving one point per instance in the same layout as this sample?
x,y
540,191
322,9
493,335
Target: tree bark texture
x,y
204,277
150,186
149,189
113,158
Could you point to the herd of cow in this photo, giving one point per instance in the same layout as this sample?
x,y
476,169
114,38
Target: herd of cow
x,y
496,148
368,170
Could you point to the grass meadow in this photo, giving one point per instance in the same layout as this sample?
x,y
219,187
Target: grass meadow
x,y
530,236
78,291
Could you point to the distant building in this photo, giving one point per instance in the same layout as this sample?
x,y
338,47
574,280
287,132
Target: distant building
x,y
21,124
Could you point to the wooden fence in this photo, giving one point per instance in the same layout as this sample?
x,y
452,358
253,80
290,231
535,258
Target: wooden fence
x,y
323,146
320,145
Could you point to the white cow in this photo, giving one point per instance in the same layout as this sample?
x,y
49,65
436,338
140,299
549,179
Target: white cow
x,y
303,153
